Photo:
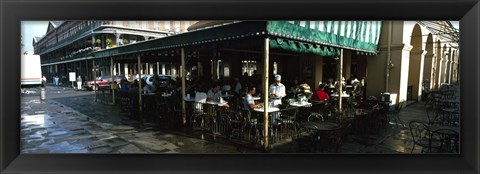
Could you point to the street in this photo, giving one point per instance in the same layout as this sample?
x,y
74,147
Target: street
x,y
70,121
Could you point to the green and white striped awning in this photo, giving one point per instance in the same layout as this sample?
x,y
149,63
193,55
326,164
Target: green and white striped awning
x,y
325,37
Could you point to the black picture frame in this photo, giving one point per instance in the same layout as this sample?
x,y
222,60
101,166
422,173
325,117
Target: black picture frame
x,y
12,12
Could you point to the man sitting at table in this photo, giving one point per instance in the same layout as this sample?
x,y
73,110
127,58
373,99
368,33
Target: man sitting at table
x,y
277,91
248,102
214,94
320,94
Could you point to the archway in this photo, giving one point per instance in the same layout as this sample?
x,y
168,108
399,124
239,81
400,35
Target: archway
x,y
416,63
443,70
438,63
429,67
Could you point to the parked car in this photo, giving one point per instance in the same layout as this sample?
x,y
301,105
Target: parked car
x,y
102,82
164,80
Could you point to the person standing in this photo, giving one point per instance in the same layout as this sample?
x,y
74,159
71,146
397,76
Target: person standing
x,y
79,82
277,91
55,80
44,81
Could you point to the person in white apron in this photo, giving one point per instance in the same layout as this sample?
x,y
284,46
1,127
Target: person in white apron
x,y
277,91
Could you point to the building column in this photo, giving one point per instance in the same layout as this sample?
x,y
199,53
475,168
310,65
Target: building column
x,y
415,73
428,73
455,67
398,73
318,76
449,67
163,69
347,64
443,69
117,39
439,71
93,42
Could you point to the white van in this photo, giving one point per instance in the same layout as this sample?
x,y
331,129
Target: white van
x,y
31,71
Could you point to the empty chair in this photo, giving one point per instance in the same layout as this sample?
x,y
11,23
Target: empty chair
x,y
449,140
395,114
287,123
423,137
198,117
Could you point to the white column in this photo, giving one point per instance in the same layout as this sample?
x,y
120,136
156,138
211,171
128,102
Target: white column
x,y
151,69
126,70
163,69
265,91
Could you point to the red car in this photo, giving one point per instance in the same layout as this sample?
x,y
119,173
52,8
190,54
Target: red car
x,y
102,82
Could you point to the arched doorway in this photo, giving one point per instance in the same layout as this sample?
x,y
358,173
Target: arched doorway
x,y
429,67
415,70
438,64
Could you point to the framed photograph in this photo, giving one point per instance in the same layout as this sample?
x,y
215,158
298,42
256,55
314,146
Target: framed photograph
x,y
380,87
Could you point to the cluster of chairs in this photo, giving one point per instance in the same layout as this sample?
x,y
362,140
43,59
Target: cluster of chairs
x,y
443,140
306,139
440,134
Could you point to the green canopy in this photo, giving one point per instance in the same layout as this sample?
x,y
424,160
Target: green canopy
x,y
318,37
325,37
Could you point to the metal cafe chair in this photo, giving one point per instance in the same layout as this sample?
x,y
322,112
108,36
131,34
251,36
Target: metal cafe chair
x,y
449,140
251,124
423,137
331,141
287,123
235,123
395,114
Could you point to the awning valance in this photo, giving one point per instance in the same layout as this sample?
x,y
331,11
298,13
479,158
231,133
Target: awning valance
x,y
310,36
318,37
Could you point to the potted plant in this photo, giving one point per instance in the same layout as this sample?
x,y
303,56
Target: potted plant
x,y
98,41
125,41
109,42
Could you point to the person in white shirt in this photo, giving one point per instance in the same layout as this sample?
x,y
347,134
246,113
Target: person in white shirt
x,y
215,93
79,83
249,103
277,91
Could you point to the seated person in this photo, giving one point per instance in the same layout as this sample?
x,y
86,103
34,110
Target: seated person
x,y
304,88
147,89
214,94
321,95
248,102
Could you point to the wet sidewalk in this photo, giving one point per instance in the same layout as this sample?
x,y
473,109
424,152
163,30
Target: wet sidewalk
x,y
70,121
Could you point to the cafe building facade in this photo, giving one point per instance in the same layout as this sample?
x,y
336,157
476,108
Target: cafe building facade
x,y
391,56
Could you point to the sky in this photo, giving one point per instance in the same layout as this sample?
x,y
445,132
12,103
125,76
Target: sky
x,y
31,29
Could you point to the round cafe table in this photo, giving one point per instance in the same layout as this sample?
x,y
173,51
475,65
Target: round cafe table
x,y
320,126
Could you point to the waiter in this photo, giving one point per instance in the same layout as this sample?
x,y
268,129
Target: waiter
x,y
277,91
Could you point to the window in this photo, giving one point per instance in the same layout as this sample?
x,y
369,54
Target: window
x,y
249,66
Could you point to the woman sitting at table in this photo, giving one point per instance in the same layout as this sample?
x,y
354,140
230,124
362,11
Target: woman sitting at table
x,y
248,102
320,94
